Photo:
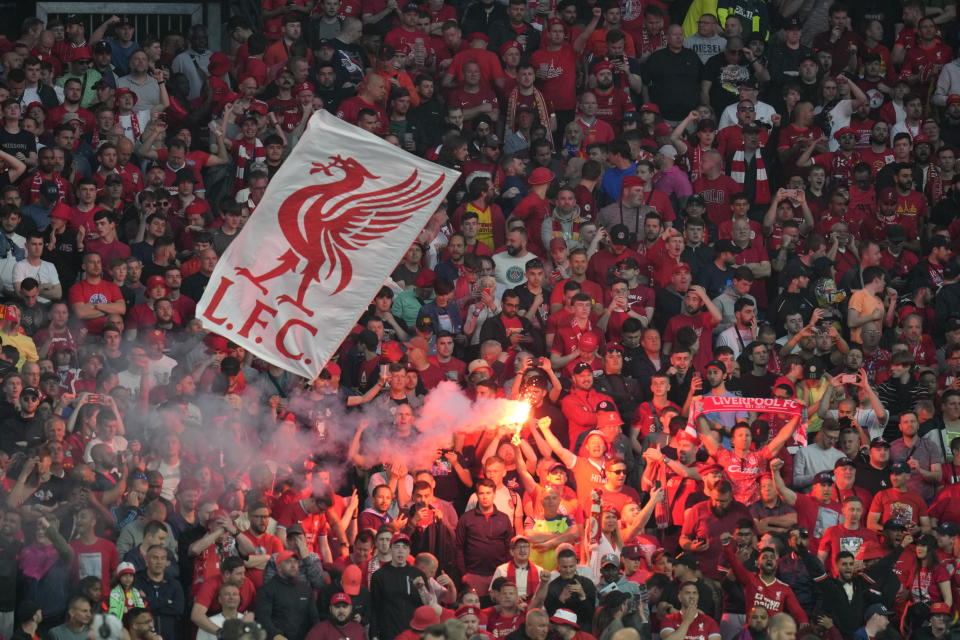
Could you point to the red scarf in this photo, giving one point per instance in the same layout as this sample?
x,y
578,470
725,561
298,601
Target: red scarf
x,y
934,188
557,228
134,124
533,579
738,171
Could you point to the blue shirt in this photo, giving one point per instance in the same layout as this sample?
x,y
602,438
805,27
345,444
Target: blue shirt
x,y
612,181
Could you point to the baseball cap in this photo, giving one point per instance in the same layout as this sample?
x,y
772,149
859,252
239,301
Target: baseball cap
x,y
894,525
824,477
423,617
716,364
49,190
631,552
493,141
631,181
948,529
466,610
30,391
939,241
341,598
295,530
620,235
843,462
541,175
876,610
589,341
125,567
351,579
879,442
609,558
518,538
792,23
580,367
953,99
400,538
725,246
285,555
652,107
614,346
899,467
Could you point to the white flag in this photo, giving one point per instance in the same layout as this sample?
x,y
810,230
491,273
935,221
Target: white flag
x,y
333,224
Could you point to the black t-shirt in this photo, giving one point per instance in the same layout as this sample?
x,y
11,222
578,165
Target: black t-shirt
x,y
725,79
19,142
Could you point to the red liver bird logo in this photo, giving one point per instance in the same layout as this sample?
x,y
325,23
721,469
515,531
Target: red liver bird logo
x,y
324,223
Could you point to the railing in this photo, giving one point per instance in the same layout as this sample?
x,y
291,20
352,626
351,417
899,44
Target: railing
x,y
157,19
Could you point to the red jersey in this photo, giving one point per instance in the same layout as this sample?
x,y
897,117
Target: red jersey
x,y
775,596
314,524
790,135
612,104
55,118
500,625
195,161
876,159
599,131
744,473
703,627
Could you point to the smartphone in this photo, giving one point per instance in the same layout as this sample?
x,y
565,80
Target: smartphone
x,y
384,371
488,291
849,378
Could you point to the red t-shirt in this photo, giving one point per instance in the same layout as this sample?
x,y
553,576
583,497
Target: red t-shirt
x,y
904,506
209,590
838,538
913,204
744,473
265,543
559,85
350,111
314,524
716,195
702,323
588,287
99,559
101,293
816,517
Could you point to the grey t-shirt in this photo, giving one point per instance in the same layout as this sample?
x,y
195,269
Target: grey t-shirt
x,y
705,48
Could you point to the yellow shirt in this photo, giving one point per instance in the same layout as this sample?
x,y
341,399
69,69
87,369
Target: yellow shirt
x,y
485,225
24,344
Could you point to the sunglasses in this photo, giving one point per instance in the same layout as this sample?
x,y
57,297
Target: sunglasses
x,y
746,109
619,472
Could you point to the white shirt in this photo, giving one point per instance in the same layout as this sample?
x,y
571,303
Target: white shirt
x,y
187,63
45,273
510,270
867,419
762,114
728,338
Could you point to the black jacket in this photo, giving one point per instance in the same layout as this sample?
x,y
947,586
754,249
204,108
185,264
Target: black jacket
x,y
394,598
868,589
583,608
166,602
286,607
493,329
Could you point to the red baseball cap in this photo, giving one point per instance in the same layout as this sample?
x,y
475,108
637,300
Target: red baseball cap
x,y
285,555
341,598
541,175
589,341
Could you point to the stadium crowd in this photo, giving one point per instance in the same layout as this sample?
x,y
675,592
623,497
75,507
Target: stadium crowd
x,y
664,209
